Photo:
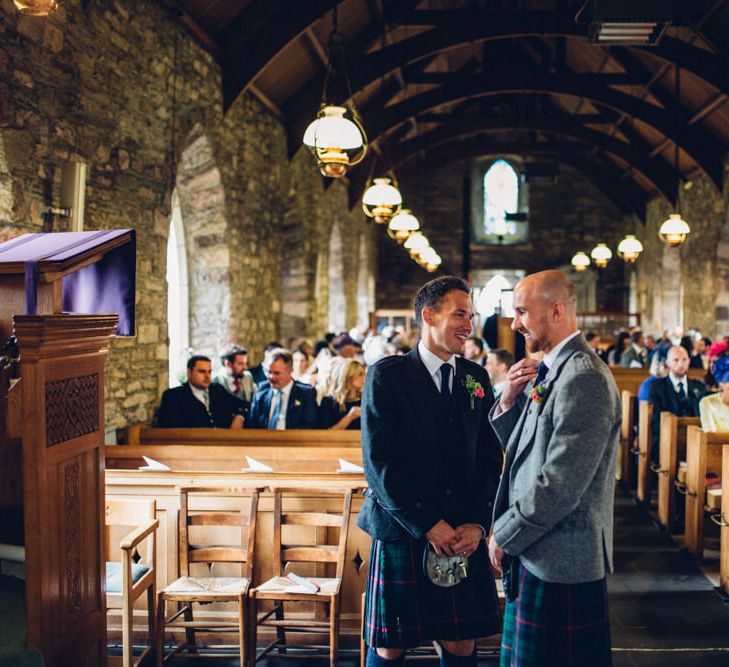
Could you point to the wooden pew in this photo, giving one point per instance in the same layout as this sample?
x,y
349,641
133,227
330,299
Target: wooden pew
x,y
703,456
672,450
645,431
307,466
627,436
629,379
723,522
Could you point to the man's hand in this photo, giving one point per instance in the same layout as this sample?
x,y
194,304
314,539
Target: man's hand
x,y
496,554
440,537
468,537
237,422
519,374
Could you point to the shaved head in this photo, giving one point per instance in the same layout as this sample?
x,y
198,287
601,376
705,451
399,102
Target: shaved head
x,y
545,309
551,287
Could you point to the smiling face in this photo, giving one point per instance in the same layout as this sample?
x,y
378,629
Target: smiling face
x,y
447,326
531,319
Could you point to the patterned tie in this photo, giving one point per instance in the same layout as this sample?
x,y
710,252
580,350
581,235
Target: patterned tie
x,y
236,384
445,375
541,373
278,399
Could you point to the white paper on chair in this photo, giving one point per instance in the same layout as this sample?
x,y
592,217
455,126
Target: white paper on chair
x,y
256,466
153,465
348,467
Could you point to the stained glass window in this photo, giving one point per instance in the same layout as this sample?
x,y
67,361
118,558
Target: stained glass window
x,y
501,196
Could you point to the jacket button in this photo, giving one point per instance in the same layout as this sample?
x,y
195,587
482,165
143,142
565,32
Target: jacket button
x,y
418,505
489,505
448,492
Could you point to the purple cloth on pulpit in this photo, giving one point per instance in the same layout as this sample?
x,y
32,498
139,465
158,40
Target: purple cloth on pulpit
x,y
107,286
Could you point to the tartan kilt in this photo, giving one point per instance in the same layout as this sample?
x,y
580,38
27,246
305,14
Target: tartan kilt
x,y
556,624
404,609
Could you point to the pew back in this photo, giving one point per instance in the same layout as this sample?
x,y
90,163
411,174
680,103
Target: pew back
x,y
645,431
672,450
724,556
627,435
703,456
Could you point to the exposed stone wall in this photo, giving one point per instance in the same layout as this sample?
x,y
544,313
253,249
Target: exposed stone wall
x,y
122,87
564,217
687,286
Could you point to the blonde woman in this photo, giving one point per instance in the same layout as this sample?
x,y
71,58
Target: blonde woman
x,y
341,408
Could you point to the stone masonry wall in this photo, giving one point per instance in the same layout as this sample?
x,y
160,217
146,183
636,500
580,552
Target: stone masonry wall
x,y
123,88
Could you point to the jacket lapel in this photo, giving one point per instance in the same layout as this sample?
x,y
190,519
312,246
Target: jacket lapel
x,y
292,410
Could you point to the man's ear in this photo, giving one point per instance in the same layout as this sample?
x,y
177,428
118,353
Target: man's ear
x,y
557,311
427,315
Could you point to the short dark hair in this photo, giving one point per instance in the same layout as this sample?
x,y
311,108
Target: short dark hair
x,y
432,294
478,342
231,352
636,336
503,357
590,335
283,355
273,345
194,359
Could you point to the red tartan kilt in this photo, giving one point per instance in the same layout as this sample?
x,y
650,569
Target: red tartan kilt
x,y
404,609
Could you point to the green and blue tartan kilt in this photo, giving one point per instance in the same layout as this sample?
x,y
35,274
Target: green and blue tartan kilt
x,y
404,609
556,624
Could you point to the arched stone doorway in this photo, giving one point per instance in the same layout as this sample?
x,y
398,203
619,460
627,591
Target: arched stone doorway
x,y
202,213
337,296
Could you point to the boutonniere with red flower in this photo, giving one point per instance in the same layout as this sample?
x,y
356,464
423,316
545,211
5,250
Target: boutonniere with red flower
x,y
539,393
475,389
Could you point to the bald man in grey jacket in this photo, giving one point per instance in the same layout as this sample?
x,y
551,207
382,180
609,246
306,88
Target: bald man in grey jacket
x,y
553,515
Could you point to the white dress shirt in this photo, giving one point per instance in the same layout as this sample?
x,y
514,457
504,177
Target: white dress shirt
x,y
676,381
552,355
433,363
201,395
285,393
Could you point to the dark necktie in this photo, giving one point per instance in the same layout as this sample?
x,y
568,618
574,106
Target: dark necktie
x,y
541,373
683,400
445,375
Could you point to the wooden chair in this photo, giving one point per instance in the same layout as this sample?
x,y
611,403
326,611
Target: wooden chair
x,y
196,554
308,540
672,451
645,431
130,567
703,456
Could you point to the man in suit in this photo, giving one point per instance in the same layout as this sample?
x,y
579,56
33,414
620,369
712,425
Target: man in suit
x,y
636,355
234,375
282,402
553,515
198,403
498,364
260,372
674,393
474,351
432,464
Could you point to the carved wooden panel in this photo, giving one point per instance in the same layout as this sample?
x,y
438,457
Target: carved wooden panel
x,y
72,408
72,537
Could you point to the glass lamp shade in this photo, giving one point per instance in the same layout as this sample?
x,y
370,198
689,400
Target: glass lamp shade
x,y
629,249
673,232
381,200
36,7
433,264
427,256
601,255
336,142
580,261
402,225
416,243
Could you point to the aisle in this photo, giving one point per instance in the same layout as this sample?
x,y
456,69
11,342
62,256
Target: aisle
x,y
664,611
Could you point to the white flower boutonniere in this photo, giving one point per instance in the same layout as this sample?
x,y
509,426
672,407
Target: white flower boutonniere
x,y
297,402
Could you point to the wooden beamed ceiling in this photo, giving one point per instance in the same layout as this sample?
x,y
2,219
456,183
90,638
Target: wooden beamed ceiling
x,y
448,79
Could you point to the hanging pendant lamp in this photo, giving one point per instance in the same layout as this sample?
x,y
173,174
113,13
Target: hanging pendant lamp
x,y
381,200
629,249
601,255
580,261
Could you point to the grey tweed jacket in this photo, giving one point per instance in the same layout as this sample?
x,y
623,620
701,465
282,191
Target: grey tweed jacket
x,y
554,505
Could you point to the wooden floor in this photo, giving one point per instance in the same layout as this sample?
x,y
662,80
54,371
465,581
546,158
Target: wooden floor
x,y
663,609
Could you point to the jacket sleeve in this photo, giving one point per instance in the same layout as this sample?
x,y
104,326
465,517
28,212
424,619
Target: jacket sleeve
x,y
387,468
166,414
489,462
254,414
310,416
576,448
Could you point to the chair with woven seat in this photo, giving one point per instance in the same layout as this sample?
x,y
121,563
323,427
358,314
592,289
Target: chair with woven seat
x,y
308,541
196,560
130,567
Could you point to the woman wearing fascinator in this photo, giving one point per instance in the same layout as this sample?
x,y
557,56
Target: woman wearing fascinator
x,y
714,408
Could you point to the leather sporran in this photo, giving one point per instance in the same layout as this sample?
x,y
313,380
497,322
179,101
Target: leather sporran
x,y
444,571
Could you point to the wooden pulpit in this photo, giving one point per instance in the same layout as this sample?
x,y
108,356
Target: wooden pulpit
x,y
54,411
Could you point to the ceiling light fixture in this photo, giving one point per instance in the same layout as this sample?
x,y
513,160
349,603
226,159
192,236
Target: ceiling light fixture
x,y
381,200
601,255
36,7
580,261
402,225
336,137
629,249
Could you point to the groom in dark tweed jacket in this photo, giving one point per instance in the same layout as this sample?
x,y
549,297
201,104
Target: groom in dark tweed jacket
x,y
432,463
